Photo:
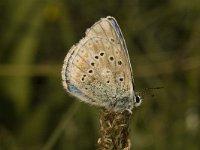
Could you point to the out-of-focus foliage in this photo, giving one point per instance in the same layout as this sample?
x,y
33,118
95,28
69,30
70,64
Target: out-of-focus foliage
x,y
163,38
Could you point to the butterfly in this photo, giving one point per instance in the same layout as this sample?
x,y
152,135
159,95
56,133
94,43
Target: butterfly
x,y
97,70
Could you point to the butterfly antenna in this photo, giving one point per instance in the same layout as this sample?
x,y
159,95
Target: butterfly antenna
x,y
148,90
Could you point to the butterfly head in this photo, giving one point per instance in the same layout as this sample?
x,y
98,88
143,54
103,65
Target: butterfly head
x,y
137,100
139,95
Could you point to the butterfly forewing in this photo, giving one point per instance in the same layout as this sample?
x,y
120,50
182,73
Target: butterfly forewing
x,y
109,28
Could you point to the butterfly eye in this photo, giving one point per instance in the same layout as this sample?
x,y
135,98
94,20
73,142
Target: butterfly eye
x,y
138,100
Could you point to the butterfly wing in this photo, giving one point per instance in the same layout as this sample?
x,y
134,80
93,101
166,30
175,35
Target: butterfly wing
x,y
109,28
97,69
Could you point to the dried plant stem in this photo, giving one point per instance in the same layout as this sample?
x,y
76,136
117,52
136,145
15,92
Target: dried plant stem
x,y
114,131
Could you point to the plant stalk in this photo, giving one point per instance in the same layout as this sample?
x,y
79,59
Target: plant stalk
x,y
114,131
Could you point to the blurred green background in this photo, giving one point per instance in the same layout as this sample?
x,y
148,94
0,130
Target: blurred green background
x,y
163,38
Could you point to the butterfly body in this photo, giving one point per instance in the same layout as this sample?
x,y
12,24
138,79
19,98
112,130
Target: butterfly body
x,y
97,70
